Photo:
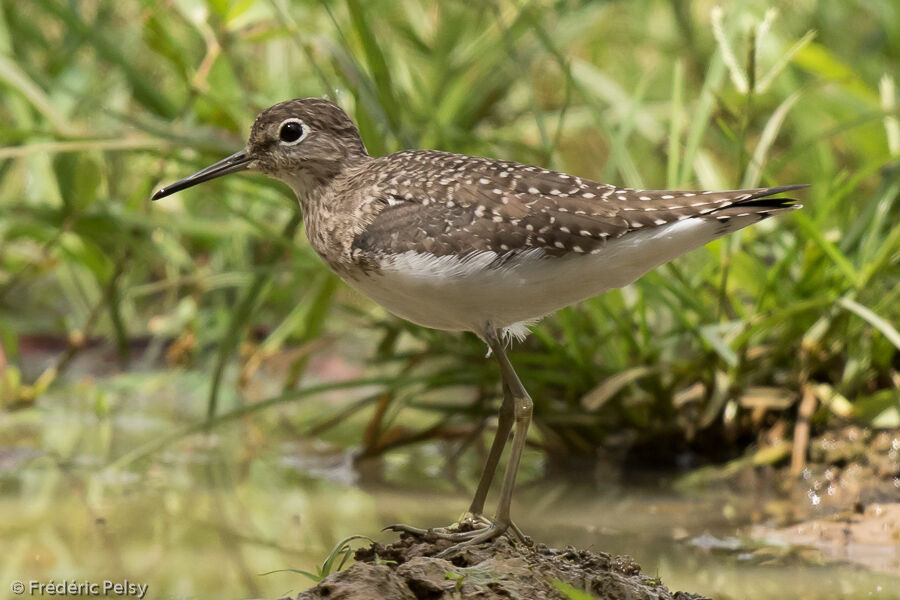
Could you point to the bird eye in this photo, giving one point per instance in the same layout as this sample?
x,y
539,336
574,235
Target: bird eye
x,y
291,132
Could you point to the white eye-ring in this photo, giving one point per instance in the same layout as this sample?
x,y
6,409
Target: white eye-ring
x,y
292,131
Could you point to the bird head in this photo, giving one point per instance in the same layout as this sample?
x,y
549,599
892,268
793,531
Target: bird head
x,y
304,142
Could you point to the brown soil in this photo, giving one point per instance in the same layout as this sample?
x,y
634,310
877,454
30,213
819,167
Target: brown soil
x,y
870,538
407,570
845,504
848,469
854,466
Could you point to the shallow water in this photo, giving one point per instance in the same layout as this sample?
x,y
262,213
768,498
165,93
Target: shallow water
x,y
207,515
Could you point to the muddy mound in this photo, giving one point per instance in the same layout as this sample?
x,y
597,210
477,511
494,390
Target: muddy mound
x,y
869,538
507,569
854,466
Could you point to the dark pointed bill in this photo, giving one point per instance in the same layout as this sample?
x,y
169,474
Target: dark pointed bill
x,y
238,161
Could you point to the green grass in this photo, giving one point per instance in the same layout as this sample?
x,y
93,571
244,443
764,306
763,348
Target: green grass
x,y
333,563
103,102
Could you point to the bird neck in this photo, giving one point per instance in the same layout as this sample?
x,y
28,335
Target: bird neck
x,y
313,180
331,210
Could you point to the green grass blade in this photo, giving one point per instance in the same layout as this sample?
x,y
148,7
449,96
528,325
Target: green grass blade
x,y
886,329
253,295
676,126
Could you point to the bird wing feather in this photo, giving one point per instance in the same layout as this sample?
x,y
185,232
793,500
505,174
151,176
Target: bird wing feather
x,y
454,204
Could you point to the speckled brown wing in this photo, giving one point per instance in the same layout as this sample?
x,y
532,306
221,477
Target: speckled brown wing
x,y
441,203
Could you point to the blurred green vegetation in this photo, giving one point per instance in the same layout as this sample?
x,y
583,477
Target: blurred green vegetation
x,y
103,102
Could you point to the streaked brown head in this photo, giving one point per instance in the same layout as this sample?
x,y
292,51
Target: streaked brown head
x,y
304,142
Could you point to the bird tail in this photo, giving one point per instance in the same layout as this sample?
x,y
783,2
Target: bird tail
x,y
758,203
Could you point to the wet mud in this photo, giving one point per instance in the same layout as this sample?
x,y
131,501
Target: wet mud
x,y
846,501
408,570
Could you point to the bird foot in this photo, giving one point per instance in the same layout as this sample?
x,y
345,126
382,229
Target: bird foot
x,y
468,526
469,531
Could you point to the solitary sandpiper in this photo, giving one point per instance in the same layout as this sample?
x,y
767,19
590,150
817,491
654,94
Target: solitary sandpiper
x,y
475,244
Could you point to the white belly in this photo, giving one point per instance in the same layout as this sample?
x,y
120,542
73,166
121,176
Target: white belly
x,y
466,294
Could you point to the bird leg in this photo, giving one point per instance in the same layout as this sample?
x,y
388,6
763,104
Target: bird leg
x,y
522,409
504,426
473,518
515,410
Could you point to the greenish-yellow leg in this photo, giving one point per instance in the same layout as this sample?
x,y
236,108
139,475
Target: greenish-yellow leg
x,y
504,426
515,411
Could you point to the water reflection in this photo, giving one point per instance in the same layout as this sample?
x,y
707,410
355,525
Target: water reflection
x,y
208,515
